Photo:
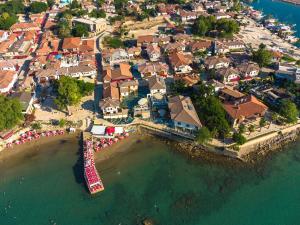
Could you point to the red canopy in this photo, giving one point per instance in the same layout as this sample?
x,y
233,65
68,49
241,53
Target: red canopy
x,y
110,130
7,135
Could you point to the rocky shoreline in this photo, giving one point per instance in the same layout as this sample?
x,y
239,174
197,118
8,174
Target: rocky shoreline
x,y
295,2
255,151
280,142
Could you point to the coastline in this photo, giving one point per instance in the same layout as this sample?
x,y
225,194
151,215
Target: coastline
x,y
12,154
118,148
294,2
252,151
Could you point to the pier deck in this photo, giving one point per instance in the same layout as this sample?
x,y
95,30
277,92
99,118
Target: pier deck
x,y
91,175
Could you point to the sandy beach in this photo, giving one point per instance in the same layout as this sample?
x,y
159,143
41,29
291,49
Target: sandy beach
x,y
119,147
19,152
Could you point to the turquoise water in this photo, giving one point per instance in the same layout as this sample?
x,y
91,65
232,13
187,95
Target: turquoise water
x,y
285,12
150,181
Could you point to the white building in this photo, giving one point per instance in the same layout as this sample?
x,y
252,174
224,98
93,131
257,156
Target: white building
x,y
183,114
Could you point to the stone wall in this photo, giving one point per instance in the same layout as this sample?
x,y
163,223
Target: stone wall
x,y
269,142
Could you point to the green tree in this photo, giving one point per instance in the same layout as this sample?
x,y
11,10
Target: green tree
x,y
239,138
212,74
251,128
36,126
242,128
289,111
262,122
74,4
63,29
203,24
200,28
203,135
262,56
13,7
10,112
211,111
274,117
38,7
237,6
7,20
80,30
99,3
227,27
85,87
50,3
178,87
114,42
120,5
98,13
68,92
62,123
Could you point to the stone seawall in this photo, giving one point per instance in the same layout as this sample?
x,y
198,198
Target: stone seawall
x,y
262,145
252,149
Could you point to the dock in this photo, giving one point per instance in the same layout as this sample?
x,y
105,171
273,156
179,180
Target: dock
x,y
91,175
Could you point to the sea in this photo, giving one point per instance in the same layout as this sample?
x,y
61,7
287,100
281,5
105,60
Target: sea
x,y
150,181
284,12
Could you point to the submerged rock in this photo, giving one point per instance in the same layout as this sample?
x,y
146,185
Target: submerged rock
x,y
148,222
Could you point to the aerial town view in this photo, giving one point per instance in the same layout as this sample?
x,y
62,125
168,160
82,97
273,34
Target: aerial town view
x,y
149,112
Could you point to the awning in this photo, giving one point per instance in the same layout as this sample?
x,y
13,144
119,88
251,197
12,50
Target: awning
x,y
98,130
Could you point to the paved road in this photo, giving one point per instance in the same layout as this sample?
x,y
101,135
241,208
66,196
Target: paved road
x,y
99,40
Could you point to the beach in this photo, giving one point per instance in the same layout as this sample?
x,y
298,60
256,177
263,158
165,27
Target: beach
x,y
149,180
19,152
118,148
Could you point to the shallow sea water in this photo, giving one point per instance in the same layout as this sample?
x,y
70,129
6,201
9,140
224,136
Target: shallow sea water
x,y
150,181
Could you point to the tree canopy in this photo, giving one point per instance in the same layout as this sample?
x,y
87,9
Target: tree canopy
x,y
239,138
70,91
12,7
7,20
74,4
114,42
63,29
225,27
8,13
211,112
262,56
178,87
10,112
50,3
80,30
98,13
38,7
203,135
289,111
